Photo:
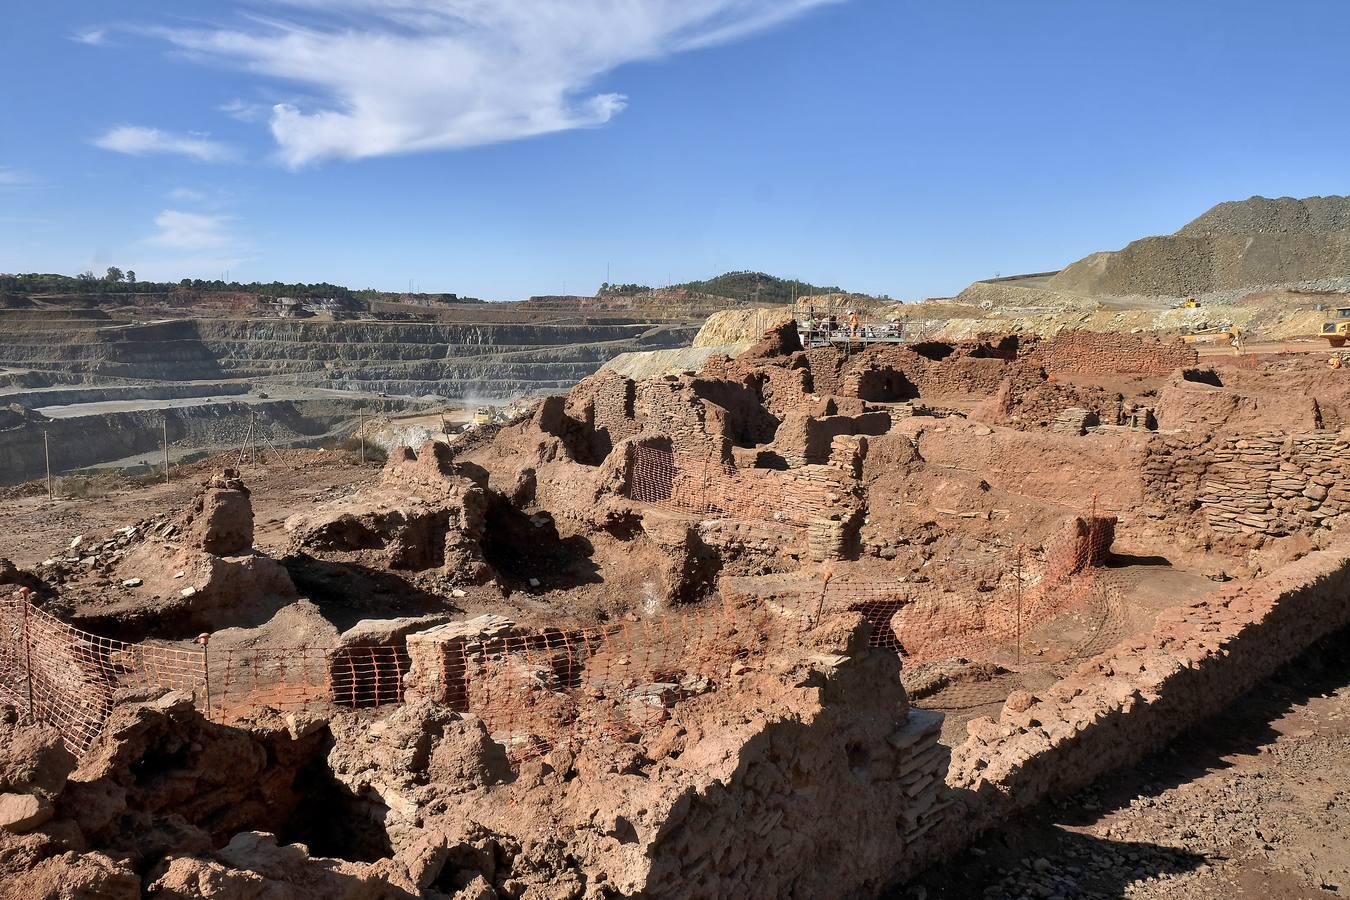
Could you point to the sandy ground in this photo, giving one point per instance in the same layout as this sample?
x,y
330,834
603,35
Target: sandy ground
x,y
1133,591
1255,803
283,483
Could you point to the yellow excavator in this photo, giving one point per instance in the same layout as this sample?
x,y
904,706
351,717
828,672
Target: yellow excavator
x,y
1189,303
1338,329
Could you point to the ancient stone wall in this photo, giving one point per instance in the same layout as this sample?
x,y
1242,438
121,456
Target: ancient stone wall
x,y
1130,701
784,390
1277,484
1094,353
1268,483
826,370
803,439
747,421
1042,405
669,406
894,373
606,403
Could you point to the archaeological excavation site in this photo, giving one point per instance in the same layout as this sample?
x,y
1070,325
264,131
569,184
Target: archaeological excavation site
x,y
772,616
674,450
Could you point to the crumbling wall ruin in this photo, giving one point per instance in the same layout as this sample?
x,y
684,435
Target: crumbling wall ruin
x,y
1199,658
1099,353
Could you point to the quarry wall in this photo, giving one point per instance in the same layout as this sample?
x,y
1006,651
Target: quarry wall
x,y
86,441
493,360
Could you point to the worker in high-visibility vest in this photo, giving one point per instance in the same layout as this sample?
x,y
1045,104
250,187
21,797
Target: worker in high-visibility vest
x,y
852,322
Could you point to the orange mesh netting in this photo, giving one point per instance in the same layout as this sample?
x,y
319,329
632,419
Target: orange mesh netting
x,y
66,677
536,688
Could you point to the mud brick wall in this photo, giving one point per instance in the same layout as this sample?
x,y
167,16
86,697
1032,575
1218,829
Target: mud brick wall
x,y
805,439
785,390
824,498
719,365
1041,405
892,373
826,370
798,808
1135,698
1093,353
670,407
611,398
753,540
747,422
1277,484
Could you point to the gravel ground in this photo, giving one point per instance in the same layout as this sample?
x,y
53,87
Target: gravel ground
x,y
1253,804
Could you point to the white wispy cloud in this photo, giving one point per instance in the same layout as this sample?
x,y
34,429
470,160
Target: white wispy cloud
x,y
16,177
136,140
190,244
245,111
181,230
187,195
94,37
397,76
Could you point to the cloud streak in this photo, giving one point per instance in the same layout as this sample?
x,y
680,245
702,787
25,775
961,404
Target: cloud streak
x,y
180,230
401,76
191,244
93,37
136,140
15,178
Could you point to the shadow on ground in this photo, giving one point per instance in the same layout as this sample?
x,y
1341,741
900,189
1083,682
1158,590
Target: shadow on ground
x,y
1040,854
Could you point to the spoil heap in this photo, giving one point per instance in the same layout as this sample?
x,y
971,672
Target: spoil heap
x,y
1244,244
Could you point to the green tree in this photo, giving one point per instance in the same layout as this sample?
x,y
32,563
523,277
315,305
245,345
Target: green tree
x,y
114,274
131,276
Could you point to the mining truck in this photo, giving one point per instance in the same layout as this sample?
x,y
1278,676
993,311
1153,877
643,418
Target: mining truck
x,y
1338,329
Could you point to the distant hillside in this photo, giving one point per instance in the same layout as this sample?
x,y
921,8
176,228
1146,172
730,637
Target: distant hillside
x,y
1251,243
758,288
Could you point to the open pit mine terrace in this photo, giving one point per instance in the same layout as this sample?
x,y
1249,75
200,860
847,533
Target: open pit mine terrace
x,y
798,625
110,392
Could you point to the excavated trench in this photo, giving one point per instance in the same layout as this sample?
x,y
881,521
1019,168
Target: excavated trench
x,y
332,821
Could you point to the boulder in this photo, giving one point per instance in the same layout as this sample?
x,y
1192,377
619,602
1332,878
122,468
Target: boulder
x,y
21,813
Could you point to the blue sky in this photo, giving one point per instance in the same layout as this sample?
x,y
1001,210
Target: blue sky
x,y
501,148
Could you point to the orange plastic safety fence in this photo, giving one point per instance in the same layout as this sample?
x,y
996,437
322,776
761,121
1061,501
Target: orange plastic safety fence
x,y
66,677
537,689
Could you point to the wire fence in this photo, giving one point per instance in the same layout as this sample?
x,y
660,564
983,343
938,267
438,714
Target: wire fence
x,y
536,688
